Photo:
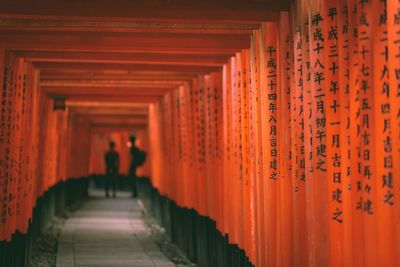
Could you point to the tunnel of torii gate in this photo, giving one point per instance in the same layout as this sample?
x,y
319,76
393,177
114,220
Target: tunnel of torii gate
x,y
272,128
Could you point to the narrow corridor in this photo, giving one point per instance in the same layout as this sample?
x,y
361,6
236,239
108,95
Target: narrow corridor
x,y
258,133
108,232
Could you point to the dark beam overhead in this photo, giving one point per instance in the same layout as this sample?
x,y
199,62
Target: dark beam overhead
x,y
126,58
123,42
147,10
126,67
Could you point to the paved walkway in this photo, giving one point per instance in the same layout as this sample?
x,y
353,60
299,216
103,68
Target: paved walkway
x,y
108,232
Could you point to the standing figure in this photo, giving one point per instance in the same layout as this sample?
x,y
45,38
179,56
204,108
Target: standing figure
x,y
138,158
112,166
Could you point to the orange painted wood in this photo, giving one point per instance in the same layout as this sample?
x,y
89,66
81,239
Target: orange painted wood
x,y
299,209
368,128
244,151
237,146
285,53
384,153
268,85
393,32
334,136
284,132
345,149
256,148
227,149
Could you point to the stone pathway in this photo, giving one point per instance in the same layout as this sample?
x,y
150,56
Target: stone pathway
x,y
108,232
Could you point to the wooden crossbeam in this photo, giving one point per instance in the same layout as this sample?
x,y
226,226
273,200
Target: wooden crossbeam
x,y
147,10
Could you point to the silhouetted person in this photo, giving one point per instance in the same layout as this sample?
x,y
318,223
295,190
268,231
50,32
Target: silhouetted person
x,y
112,166
138,158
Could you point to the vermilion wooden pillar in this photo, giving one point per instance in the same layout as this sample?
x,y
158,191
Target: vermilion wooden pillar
x,y
285,132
